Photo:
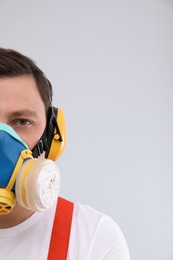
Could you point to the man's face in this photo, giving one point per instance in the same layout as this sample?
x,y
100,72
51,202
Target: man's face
x,y
22,108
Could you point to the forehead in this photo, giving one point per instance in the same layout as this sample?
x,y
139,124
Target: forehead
x,y
20,94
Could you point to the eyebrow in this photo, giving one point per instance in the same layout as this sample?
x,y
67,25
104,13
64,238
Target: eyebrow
x,y
24,112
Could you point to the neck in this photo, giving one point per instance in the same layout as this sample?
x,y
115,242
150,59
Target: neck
x,y
15,217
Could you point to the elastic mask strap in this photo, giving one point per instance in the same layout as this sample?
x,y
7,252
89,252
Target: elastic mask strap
x,y
53,131
41,146
45,141
25,154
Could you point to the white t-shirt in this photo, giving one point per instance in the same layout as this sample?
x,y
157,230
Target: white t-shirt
x,y
94,236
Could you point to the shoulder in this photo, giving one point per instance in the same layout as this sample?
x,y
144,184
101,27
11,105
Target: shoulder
x,y
97,234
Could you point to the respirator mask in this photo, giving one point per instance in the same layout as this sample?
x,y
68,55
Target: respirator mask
x,y
32,182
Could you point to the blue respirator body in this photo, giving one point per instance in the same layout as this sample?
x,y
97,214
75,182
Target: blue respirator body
x,y
11,146
32,182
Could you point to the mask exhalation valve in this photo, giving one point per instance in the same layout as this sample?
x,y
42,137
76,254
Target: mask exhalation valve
x,y
7,201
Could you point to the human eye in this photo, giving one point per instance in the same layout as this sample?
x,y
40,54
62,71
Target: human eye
x,y
22,122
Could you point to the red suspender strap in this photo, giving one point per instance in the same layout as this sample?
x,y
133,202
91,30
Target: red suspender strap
x,y
61,230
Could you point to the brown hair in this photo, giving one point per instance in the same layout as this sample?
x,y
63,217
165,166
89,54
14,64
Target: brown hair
x,y
13,63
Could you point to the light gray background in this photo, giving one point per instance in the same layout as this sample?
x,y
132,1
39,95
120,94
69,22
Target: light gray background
x,y
111,65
